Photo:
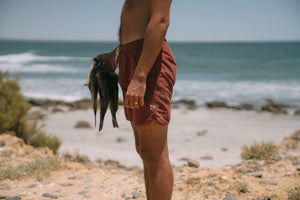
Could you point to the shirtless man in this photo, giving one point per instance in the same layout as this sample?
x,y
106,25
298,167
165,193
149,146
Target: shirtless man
x,y
147,72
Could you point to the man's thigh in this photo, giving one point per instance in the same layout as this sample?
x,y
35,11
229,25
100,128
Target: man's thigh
x,y
151,138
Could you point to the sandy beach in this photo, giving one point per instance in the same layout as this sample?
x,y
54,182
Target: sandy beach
x,y
213,137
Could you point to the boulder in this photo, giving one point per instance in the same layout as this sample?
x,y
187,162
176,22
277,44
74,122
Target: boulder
x,y
273,107
82,124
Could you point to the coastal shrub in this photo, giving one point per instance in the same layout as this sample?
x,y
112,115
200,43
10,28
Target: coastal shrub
x,y
294,193
241,186
13,110
38,167
263,151
13,106
41,139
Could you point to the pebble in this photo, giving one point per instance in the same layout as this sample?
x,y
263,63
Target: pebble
x,y
49,196
268,181
296,163
14,198
193,164
32,185
255,174
210,183
67,184
229,197
2,143
83,192
136,195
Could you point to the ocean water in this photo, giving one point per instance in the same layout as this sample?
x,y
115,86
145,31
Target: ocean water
x,y
232,72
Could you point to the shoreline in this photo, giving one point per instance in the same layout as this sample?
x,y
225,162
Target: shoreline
x,y
188,104
212,137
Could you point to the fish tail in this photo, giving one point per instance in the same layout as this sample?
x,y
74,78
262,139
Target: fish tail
x,y
115,123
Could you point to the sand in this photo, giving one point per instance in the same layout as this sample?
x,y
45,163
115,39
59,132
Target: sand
x,y
249,180
213,137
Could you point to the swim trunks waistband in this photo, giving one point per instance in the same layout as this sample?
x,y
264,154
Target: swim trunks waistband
x,y
136,44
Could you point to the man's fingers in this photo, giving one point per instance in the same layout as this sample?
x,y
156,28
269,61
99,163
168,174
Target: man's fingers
x,y
136,102
141,100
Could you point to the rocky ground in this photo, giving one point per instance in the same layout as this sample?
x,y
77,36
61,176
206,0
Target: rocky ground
x,y
251,179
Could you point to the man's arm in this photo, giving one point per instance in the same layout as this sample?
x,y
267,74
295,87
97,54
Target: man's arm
x,y
153,39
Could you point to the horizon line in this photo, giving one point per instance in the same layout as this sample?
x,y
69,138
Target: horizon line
x,y
175,41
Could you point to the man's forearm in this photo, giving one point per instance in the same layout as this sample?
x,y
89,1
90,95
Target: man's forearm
x,y
153,39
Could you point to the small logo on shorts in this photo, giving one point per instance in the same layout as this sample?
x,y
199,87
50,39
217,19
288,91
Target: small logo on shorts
x,y
153,107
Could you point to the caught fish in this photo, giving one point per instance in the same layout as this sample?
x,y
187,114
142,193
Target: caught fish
x,y
101,79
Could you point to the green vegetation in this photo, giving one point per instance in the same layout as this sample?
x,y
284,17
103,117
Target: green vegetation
x,y
13,109
241,186
263,151
41,139
13,106
294,193
39,167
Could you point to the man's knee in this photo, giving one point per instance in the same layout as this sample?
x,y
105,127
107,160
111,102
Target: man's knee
x,y
151,158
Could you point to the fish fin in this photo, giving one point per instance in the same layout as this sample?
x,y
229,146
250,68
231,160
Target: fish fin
x,y
85,84
115,123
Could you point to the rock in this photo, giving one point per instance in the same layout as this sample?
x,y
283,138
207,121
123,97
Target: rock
x,y
216,104
120,139
224,149
2,143
189,104
73,156
14,198
83,192
255,174
246,107
268,181
264,198
84,159
136,195
67,184
297,112
296,163
48,195
32,185
193,164
210,183
229,197
82,124
202,133
207,157
274,108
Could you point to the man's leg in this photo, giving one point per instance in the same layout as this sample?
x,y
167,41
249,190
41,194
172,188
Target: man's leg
x,y
146,173
153,149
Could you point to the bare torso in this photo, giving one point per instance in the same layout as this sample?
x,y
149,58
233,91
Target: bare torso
x,y
135,17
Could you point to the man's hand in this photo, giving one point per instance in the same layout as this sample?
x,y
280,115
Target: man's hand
x,y
134,97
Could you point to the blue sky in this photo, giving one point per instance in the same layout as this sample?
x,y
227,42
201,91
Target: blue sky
x,y
191,20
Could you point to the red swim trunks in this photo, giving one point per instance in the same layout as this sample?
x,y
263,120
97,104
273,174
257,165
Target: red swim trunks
x,y
159,86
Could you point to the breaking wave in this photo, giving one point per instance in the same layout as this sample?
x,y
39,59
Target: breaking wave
x,y
27,57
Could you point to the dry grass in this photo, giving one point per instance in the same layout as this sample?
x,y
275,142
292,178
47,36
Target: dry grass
x,y
39,167
263,151
294,193
241,186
